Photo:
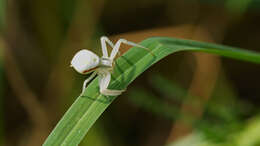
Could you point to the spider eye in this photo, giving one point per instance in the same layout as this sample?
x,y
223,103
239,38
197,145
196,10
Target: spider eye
x,y
85,61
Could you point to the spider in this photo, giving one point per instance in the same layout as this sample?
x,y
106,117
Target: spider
x,y
85,62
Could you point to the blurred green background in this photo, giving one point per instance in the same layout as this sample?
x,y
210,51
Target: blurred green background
x,y
186,99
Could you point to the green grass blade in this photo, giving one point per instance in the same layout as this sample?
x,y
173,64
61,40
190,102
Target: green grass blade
x,y
87,108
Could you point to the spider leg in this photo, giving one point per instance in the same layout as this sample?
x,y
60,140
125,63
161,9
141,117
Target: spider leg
x,y
117,46
105,39
103,84
87,80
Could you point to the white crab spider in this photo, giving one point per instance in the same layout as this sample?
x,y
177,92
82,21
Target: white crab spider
x,y
86,62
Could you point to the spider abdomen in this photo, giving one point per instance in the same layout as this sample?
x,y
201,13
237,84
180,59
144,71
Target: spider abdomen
x,y
85,61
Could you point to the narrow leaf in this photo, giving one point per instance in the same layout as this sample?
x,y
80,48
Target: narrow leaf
x,y
87,108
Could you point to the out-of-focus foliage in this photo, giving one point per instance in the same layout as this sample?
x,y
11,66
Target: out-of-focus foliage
x,y
2,14
222,123
151,103
96,136
250,135
2,82
247,135
238,7
2,86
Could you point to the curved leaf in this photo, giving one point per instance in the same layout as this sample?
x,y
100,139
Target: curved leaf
x,y
87,108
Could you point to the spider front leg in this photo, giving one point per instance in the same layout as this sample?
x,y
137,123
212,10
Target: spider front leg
x,y
105,39
103,84
117,46
87,80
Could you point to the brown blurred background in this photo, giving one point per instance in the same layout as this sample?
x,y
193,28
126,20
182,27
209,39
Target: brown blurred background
x,y
221,96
